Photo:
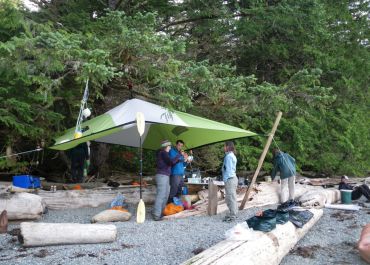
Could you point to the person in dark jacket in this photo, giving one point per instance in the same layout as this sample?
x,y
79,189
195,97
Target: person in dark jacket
x,y
357,191
78,156
162,179
285,164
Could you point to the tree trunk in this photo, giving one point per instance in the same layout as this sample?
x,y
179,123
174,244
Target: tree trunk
x,y
46,234
99,153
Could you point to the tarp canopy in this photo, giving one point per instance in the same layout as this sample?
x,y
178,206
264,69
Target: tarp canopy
x,y
118,126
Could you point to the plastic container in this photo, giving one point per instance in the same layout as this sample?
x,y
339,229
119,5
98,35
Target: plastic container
x,y
346,196
186,201
185,190
26,182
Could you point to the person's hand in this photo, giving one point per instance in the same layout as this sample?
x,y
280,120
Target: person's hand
x,y
259,213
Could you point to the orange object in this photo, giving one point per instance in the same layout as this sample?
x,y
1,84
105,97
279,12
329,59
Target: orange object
x,y
364,243
171,209
135,183
119,208
77,187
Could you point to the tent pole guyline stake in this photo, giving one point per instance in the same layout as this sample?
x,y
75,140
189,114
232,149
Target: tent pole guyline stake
x,y
22,153
140,123
84,111
262,158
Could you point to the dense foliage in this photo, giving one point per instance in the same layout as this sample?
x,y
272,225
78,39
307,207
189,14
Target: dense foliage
x,y
237,62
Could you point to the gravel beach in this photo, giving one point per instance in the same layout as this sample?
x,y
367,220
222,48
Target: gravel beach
x,y
332,240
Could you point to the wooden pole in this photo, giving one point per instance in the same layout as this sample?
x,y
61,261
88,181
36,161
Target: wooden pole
x,y
212,199
262,158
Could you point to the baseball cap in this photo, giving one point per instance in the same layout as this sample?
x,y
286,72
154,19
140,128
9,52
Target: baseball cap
x,y
345,177
165,143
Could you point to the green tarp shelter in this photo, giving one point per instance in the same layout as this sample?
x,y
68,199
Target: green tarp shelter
x,y
118,126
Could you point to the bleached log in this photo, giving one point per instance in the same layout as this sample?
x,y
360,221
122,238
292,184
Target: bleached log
x,y
111,216
319,197
346,207
72,199
45,234
22,206
265,248
266,193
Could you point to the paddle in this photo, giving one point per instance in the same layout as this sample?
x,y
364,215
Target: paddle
x,y
140,122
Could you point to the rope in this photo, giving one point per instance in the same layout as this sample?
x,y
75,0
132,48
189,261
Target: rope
x,y
22,153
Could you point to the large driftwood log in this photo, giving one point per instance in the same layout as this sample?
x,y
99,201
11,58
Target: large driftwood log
x,y
72,199
45,234
264,248
262,195
319,197
22,206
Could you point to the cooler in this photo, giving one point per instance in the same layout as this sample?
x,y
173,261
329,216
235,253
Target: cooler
x,y
26,182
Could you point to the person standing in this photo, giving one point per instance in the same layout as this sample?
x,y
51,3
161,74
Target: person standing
x,y
178,158
78,156
162,179
285,164
231,181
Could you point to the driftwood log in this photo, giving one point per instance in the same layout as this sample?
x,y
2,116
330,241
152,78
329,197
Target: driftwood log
x,y
45,234
72,199
266,193
22,206
319,197
265,248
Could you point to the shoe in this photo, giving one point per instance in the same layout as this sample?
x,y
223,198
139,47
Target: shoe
x,y
155,218
228,219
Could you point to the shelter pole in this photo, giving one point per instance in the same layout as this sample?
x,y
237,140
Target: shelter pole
x,y
262,158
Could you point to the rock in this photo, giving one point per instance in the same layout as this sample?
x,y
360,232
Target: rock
x,y
111,216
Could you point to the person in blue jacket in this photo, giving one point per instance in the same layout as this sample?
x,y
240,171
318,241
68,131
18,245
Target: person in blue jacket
x,y
285,164
178,158
231,180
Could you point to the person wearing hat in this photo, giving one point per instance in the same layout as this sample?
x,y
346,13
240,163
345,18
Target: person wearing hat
x,y
162,179
357,191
